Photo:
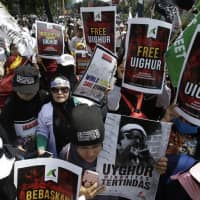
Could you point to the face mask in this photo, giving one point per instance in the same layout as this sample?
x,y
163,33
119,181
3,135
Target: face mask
x,y
185,128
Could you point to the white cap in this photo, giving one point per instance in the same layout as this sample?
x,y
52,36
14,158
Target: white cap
x,y
66,59
129,127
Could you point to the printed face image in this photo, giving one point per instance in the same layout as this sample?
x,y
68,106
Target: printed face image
x,y
132,148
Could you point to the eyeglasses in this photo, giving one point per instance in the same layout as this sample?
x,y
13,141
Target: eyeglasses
x,y
62,90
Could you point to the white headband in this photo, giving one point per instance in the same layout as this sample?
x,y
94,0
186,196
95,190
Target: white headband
x,y
60,82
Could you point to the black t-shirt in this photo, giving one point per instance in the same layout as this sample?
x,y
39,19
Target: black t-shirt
x,y
19,115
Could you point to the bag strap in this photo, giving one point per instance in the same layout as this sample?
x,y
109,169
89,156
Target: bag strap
x,y
128,103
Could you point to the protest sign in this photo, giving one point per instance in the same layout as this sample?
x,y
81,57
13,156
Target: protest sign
x,y
46,178
146,42
188,91
99,75
176,53
82,58
130,149
50,39
99,26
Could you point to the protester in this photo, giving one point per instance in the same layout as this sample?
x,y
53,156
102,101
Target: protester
x,y
48,69
76,39
54,126
86,142
183,152
66,42
7,66
132,103
14,60
19,115
120,35
175,162
66,67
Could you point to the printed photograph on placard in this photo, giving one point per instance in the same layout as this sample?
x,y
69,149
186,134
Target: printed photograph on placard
x,y
130,150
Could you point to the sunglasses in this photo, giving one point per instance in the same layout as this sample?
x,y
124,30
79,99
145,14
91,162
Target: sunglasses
x,y
62,90
133,134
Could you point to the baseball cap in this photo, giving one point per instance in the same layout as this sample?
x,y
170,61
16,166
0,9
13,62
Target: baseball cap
x,y
88,126
26,79
66,60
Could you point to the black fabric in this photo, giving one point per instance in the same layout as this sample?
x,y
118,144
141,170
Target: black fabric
x,y
87,118
197,153
185,4
8,190
148,105
3,135
173,190
68,71
67,49
61,122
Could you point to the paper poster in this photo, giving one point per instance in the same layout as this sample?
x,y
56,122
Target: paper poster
x,y
98,76
130,149
46,178
50,39
82,58
99,26
146,42
188,91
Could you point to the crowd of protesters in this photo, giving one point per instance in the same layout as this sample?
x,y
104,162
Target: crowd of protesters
x,y
36,102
